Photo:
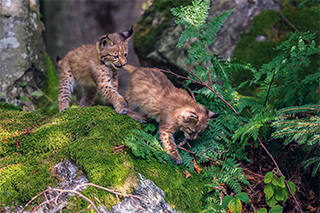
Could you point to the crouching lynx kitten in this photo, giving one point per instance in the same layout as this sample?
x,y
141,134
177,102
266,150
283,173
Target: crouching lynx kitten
x,y
151,92
95,67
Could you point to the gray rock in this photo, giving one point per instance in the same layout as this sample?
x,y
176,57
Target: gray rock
x,y
69,180
153,199
164,52
22,51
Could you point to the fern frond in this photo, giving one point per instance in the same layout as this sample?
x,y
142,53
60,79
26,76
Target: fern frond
x,y
302,130
146,146
251,129
314,160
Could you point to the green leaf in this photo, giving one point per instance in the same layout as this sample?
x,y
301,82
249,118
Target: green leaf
x,y
226,200
24,98
268,177
37,93
269,191
276,209
275,182
243,197
263,210
24,84
235,205
272,202
282,183
292,186
279,193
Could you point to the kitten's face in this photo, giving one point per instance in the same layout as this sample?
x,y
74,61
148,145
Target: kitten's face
x,y
113,49
195,121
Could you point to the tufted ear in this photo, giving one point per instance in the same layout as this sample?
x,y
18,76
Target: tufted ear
x,y
127,34
212,115
189,116
103,41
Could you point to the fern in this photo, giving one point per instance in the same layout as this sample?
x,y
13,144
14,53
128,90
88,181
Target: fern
x,y
301,125
147,146
230,174
314,160
252,127
302,130
281,81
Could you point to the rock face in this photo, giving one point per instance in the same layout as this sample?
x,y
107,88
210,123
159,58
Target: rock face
x,y
162,50
22,51
153,199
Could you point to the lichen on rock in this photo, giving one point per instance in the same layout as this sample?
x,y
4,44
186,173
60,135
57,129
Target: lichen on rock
x,y
22,50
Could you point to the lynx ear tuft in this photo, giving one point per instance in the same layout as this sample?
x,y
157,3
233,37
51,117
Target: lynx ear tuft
x,y
127,34
189,116
212,115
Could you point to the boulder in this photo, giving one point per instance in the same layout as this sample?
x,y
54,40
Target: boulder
x,y
22,51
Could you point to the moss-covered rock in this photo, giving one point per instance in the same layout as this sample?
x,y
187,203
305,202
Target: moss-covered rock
x,y
273,29
47,103
31,144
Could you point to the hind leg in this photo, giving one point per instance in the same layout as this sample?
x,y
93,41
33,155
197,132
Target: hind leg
x,y
89,93
132,109
66,82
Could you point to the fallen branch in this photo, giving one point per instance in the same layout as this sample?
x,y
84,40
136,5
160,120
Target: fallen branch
x,y
74,191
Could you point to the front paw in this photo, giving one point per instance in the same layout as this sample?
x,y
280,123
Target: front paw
x,y
177,160
122,108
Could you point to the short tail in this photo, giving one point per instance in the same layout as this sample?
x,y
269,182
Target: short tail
x,y
129,68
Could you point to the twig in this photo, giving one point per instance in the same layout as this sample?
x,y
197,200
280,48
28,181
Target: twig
x,y
213,150
61,191
209,77
74,191
286,20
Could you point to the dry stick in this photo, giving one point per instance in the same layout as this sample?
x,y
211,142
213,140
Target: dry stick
x,y
78,193
109,190
286,20
260,142
61,191
211,84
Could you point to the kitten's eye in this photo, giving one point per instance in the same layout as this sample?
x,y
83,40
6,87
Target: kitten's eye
x,y
116,56
126,54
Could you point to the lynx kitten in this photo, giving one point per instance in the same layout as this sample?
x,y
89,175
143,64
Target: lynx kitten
x,y
151,93
95,67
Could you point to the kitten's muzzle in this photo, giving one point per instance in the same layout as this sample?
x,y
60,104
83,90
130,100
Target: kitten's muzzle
x,y
192,136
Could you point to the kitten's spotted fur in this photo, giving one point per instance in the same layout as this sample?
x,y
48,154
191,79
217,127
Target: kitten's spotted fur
x,y
151,93
95,67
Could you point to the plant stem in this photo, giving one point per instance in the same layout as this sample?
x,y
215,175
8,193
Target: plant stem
x,y
269,88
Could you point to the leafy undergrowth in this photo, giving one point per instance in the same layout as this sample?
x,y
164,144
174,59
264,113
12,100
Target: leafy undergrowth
x,y
261,164
32,144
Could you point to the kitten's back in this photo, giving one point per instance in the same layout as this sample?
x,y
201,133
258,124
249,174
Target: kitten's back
x,y
152,91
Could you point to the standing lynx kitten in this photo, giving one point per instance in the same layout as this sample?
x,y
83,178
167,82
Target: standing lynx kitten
x,y
95,67
152,93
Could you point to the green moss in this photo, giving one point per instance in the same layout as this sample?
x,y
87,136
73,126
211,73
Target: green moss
x,y
183,194
271,24
9,106
32,144
48,103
